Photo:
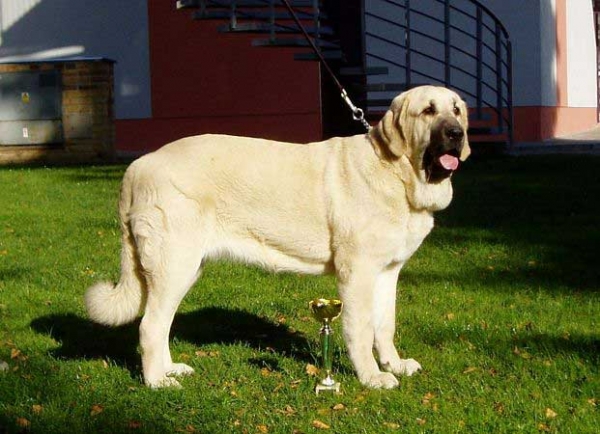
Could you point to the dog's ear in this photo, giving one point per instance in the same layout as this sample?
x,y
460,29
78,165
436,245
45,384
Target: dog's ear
x,y
389,133
464,120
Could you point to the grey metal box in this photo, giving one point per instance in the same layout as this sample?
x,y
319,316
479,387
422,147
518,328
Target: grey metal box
x,y
30,107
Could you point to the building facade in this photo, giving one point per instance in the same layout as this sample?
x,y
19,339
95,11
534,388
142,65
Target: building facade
x,y
175,76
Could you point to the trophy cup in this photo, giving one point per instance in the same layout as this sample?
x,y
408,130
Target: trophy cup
x,y
326,311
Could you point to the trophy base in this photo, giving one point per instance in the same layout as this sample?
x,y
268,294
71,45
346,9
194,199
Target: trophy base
x,y
335,387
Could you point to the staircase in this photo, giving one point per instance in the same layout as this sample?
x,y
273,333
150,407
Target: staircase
x,y
380,48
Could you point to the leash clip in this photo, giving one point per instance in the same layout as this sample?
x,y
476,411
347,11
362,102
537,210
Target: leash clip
x,y
357,113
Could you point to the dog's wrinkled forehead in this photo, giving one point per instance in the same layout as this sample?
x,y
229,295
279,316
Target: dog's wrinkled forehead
x,y
433,99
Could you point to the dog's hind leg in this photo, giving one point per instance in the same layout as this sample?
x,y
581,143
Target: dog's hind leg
x,y
171,259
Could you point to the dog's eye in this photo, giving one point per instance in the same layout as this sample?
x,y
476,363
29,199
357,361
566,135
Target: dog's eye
x,y
430,110
456,110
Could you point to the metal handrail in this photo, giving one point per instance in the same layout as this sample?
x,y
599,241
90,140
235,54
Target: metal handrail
x,y
475,59
488,83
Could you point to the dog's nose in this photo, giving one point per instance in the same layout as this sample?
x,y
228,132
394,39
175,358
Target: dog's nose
x,y
455,133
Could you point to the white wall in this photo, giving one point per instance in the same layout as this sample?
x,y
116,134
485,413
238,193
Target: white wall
x,y
581,54
116,29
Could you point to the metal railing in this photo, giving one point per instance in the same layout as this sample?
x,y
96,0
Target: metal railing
x,y
460,44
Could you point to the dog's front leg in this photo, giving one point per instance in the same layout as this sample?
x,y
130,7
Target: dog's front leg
x,y
356,283
384,320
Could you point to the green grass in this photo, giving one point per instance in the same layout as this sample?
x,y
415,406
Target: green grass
x,y
500,306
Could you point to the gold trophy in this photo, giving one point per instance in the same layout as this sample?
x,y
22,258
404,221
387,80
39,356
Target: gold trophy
x,y
325,311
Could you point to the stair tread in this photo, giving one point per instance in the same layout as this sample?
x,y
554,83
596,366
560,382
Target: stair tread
x,y
225,14
292,42
181,4
310,56
359,70
253,27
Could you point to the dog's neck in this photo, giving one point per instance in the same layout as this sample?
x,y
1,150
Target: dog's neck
x,y
421,195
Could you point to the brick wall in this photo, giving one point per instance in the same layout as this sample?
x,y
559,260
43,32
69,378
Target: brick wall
x,y
87,115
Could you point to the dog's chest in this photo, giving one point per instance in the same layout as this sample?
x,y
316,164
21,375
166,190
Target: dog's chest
x,y
412,233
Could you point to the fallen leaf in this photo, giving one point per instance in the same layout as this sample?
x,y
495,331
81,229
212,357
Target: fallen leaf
x,y
96,410
201,353
338,407
36,408
263,429
15,354
104,364
288,410
311,370
543,427
265,372
470,369
523,354
391,425
320,425
449,316
550,414
134,424
23,423
427,398
421,421
498,407
593,402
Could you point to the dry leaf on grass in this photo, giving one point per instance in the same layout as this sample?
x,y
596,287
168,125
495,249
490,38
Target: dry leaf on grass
x,y
96,410
320,425
134,424
550,414
427,398
23,423
201,353
543,427
288,410
311,370
338,407
391,425
262,429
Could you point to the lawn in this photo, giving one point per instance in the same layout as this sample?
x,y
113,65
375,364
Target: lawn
x,y
500,306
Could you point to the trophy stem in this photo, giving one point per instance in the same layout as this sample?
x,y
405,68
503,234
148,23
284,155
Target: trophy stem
x,y
326,311
327,383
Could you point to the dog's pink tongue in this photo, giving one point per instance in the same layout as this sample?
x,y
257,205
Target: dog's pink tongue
x,y
448,162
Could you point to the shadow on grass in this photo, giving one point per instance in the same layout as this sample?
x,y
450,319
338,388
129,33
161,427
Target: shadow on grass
x,y
524,344
542,210
80,338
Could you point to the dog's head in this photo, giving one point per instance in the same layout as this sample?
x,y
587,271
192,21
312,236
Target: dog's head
x,y
429,125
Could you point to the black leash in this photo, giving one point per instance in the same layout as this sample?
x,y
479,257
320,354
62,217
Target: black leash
x,y
357,113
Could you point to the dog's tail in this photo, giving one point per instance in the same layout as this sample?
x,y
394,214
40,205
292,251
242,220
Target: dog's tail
x,y
119,304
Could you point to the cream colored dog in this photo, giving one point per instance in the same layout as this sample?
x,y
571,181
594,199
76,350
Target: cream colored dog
x,y
357,206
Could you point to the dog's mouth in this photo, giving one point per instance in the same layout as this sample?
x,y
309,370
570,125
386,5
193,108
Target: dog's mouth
x,y
440,164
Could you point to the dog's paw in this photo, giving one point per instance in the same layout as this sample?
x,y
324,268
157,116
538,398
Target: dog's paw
x,y
178,369
404,367
381,380
163,382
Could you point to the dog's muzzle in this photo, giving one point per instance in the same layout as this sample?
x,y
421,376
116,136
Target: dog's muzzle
x,y
441,157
